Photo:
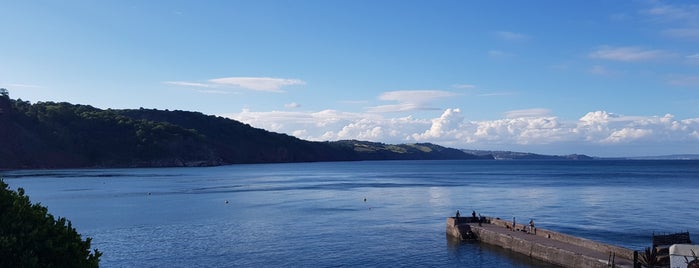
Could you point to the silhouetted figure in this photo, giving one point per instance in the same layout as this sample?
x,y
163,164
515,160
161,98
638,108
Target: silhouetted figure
x,y
473,216
532,230
514,224
457,214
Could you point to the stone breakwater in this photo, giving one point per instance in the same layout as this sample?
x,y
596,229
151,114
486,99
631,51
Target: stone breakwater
x,y
553,247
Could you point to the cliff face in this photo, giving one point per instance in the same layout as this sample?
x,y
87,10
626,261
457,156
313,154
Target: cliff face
x,y
64,135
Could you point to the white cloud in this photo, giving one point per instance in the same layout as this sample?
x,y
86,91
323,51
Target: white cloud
x,y
409,100
354,101
189,84
443,126
685,81
536,112
684,13
212,91
629,54
600,70
364,129
258,83
597,129
510,36
401,107
268,84
496,94
284,120
523,130
292,105
414,95
694,58
22,86
619,17
627,135
494,53
682,19
299,133
683,33
463,86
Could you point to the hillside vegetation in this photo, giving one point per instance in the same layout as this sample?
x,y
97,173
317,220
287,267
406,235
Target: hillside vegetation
x,y
64,135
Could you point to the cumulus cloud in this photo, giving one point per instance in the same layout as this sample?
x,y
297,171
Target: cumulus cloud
x,y
531,127
268,84
442,127
628,54
626,135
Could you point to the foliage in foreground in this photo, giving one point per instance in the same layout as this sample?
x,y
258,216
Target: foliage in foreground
x,y
31,237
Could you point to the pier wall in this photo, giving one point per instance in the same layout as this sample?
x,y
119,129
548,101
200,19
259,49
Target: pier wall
x,y
452,228
586,243
548,253
458,227
553,255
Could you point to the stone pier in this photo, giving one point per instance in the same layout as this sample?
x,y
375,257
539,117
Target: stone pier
x,y
549,246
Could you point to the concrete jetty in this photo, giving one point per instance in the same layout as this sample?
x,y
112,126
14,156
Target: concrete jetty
x,y
549,246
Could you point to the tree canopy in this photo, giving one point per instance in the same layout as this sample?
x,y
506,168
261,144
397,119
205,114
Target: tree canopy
x,y
31,237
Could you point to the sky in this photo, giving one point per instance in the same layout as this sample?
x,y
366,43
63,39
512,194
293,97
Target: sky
x,y
602,78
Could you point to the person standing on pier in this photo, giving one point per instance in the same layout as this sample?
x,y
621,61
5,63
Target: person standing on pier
x,y
473,215
531,227
514,224
457,214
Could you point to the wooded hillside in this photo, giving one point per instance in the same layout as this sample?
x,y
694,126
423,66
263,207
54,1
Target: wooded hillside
x,y
64,135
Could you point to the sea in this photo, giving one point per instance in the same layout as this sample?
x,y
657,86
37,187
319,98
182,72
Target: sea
x,y
359,214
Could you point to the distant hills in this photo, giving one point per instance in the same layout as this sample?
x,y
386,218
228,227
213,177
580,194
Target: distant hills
x,y
64,135
508,155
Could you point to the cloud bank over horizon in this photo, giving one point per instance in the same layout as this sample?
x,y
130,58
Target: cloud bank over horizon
x,y
604,133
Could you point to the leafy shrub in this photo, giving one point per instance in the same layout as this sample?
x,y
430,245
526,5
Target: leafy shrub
x,y
31,237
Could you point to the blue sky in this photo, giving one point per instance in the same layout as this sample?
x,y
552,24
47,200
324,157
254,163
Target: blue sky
x,y
605,78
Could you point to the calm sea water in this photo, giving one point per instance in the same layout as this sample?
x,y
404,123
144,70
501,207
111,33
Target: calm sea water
x,y
314,214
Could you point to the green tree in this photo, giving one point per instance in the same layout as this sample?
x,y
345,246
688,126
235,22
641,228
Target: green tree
x,y
31,237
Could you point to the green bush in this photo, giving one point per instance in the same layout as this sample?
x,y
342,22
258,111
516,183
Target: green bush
x,y
31,237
